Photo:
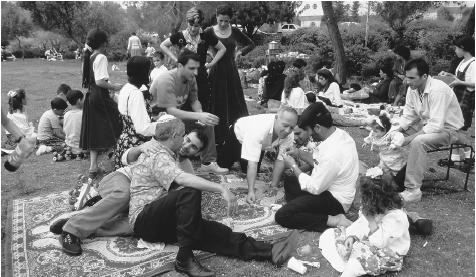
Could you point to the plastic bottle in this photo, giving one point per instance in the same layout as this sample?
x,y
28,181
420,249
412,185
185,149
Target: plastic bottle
x,y
23,150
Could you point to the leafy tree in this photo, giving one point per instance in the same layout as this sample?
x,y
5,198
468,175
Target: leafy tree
x,y
16,23
354,12
334,34
469,27
398,14
444,14
340,11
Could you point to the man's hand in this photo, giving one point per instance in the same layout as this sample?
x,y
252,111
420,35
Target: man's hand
x,y
230,201
208,119
288,161
456,82
149,148
293,152
349,242
251,198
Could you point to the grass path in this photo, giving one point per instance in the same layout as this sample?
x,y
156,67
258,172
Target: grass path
x,y
448,252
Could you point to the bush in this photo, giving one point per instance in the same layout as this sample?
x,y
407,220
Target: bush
x,y
29,53
357,57
117,55
69,55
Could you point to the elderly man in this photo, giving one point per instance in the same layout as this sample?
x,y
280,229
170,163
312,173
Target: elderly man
x,y
106,217
320,200
431,118
174,90
250,136
165,206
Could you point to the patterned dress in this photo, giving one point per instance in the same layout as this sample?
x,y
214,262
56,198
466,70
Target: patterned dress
x,y
391,154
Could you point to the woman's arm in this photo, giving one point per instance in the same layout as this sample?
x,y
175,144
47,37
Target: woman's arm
x,y
221,51
103,83
245,41
165,46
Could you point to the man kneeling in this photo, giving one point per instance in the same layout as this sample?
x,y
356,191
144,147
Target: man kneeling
x,y
165,206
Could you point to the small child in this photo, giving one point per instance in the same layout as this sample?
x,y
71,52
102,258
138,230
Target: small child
x,y
377,241
17,113
388,143
159,59
62,91
72,121
50,129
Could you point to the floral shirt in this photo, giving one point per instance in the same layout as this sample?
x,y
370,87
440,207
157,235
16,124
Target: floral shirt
x,y
151,179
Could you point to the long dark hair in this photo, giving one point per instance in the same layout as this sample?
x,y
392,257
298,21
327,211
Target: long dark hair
x,y
291,81
379,195
327,74
95,39
16,102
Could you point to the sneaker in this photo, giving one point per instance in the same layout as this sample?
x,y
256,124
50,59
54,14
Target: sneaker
x,y
71,244
413,195
57,226
213,168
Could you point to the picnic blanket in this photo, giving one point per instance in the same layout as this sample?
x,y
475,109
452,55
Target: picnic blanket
x,y
37,252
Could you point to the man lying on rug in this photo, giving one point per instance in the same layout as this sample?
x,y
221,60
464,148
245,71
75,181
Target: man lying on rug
x,y
320,200
108,217
250,136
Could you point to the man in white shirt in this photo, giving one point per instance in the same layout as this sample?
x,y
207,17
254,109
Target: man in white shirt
x,y
250,136
431,118
320,200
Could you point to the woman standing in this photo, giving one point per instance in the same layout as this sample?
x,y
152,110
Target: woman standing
x,y
134,110
100,124
134,47
227,100
192,39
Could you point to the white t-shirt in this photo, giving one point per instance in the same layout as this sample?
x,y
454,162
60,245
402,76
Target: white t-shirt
x,y
149,51
255,133
49,121
336,169
131,102
20,120
157,71
72,128
100,67
469,75
332,93
297,99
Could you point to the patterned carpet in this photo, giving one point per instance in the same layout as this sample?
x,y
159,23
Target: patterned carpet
x,y
37,252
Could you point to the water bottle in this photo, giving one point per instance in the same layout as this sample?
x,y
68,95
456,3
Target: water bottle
x,y
23,150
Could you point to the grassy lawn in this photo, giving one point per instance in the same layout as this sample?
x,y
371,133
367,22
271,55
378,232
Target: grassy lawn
x,y
448,252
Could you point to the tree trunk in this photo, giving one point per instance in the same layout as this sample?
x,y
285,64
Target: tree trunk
x,y
340,71
469,28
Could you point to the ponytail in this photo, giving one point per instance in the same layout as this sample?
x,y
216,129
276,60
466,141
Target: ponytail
x,y
86,68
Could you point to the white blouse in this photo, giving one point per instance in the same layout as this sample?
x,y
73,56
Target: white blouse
x,y
100,68
131,102
297,99
332,93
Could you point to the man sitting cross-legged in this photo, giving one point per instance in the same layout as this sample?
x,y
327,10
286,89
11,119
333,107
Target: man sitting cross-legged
x,y
108,217
250,136
165,206
320,200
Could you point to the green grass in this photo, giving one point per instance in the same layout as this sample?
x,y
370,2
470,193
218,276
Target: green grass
x,y
448,252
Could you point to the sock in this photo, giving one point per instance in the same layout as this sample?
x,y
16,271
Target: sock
x,y
467,154
184,253
206,163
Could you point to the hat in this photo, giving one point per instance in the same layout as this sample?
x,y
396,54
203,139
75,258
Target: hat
x,y
316,113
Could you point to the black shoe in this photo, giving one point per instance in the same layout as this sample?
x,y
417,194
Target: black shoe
x,y
57,226
71,244
422,226
192,268
283,250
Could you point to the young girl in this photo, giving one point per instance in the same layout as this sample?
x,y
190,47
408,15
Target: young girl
x,y
293,95
17,113
391,154
377,241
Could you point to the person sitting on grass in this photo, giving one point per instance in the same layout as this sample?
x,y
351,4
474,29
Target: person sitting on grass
x,y
62,91
165,206
377,241
50,126
108,217
17,114
159,65
274,83
293,95
329,87
321,199
72,121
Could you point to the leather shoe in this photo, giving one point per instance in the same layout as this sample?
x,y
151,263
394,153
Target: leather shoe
x,y
192,268
57,226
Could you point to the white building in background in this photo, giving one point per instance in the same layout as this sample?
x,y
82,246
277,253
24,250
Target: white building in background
x,y
310,12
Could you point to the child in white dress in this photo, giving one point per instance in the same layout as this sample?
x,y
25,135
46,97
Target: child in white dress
x,y
388,143
377,241
17,113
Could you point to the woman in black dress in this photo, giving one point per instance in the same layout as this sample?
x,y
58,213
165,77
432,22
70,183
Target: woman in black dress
x,y
193,39
227,98
101,124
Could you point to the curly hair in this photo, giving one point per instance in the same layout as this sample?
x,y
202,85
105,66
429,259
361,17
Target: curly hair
x,y
379,195
224,9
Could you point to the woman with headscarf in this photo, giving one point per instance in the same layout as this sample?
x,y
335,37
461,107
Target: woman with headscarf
x,y
193,39
135,110
100,125
227,100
